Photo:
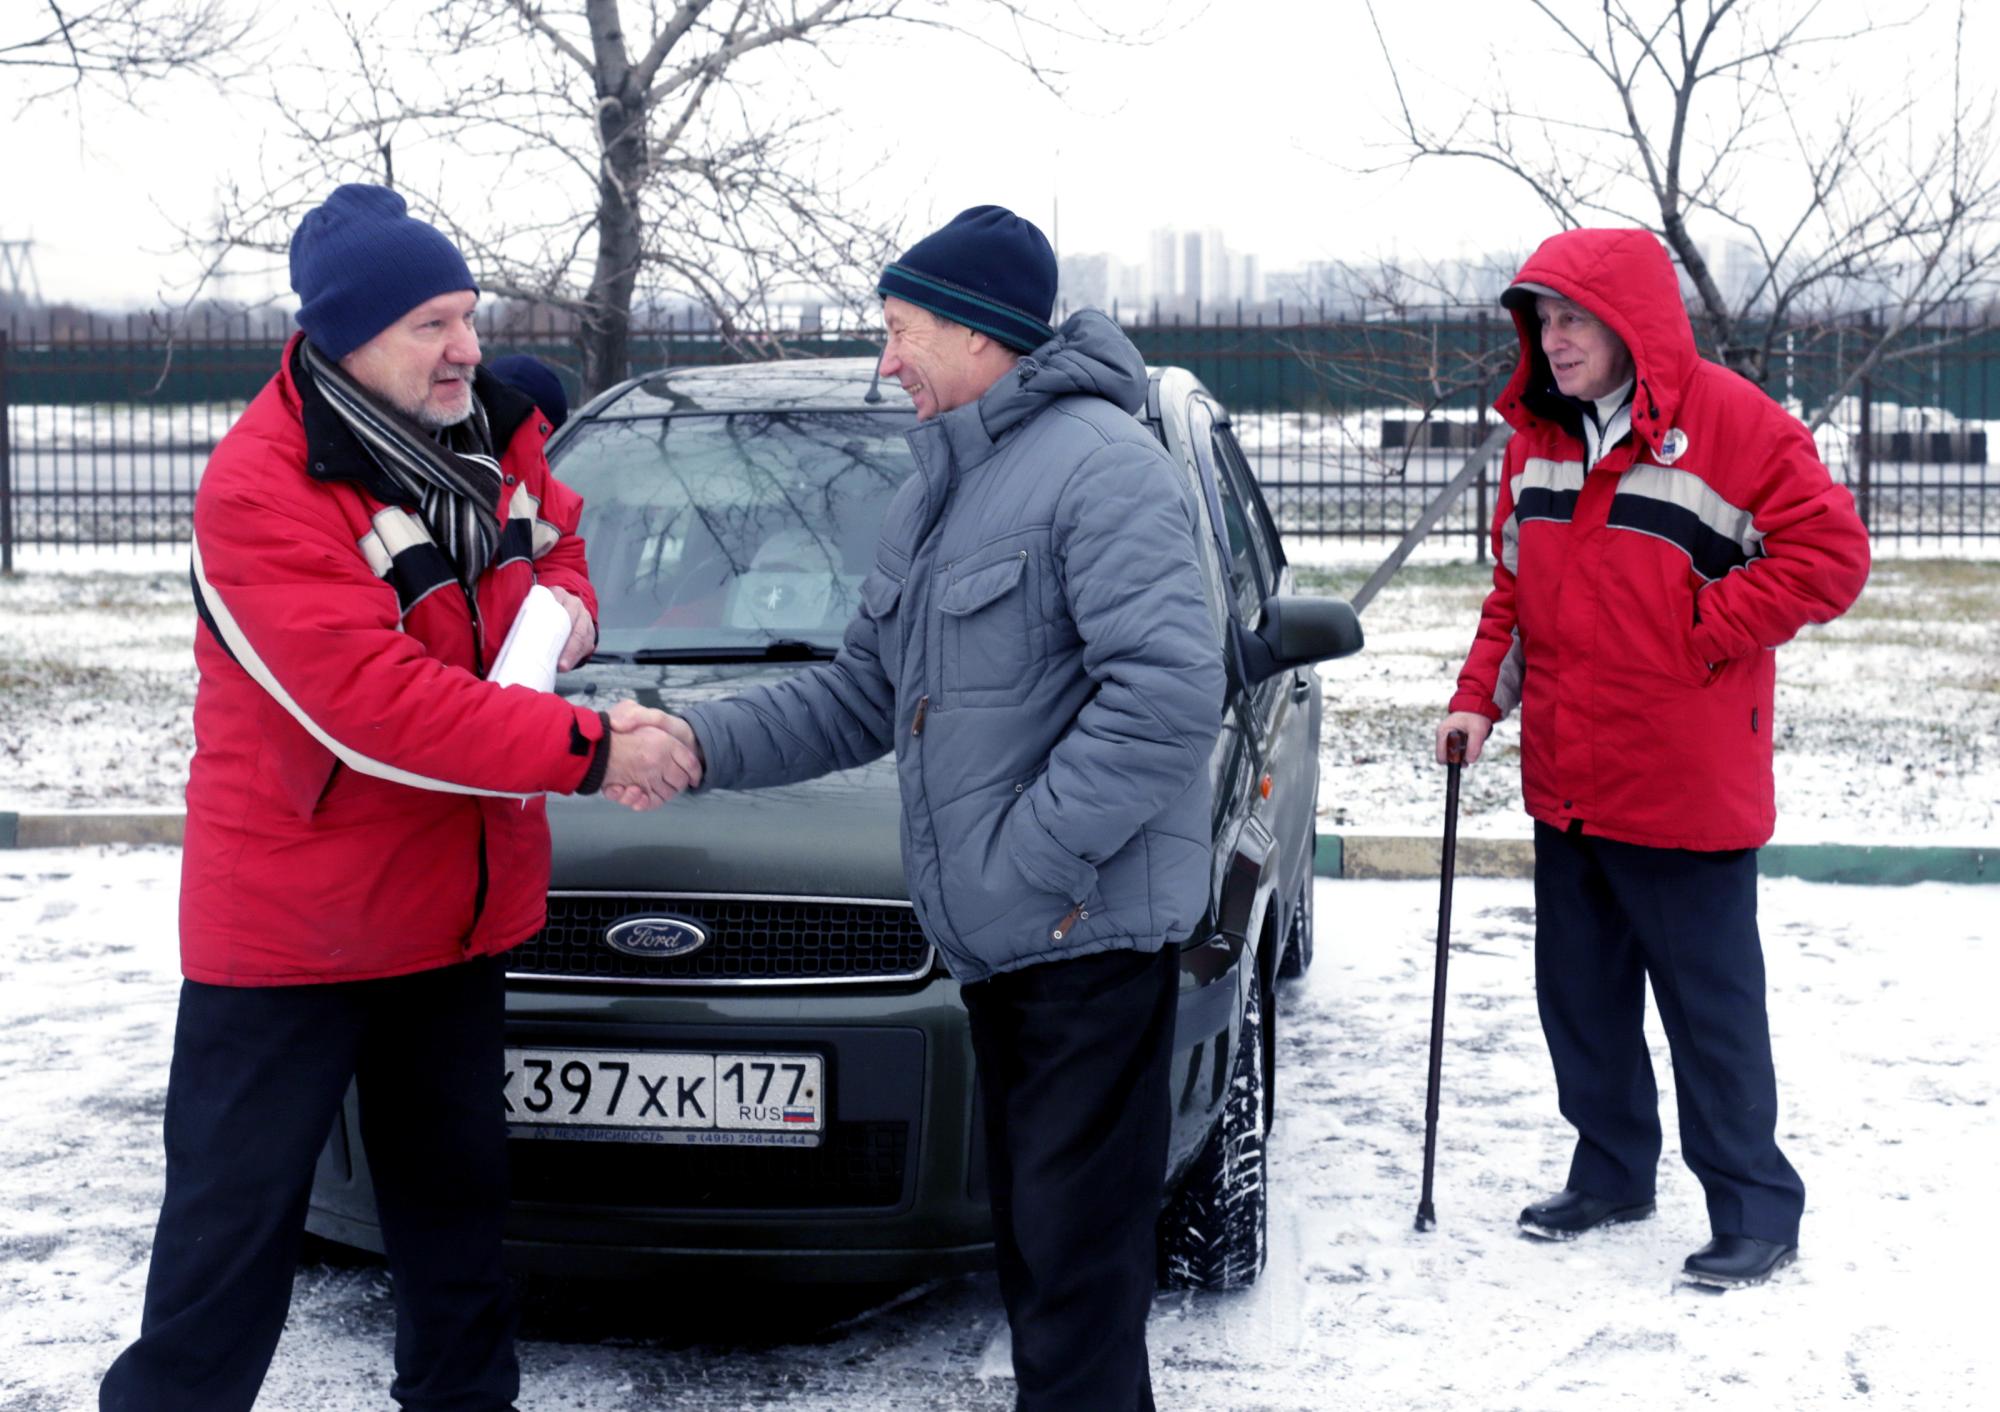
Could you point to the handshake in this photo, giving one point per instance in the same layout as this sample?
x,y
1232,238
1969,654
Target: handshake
x,y
653,757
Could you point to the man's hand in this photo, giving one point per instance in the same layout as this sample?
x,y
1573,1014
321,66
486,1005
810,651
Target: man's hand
x,y
582,631
1475,727
647,768
630,716
630,719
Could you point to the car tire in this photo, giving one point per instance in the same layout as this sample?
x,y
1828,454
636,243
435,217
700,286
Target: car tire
x,y
1267,1043
1211,1234
1298,954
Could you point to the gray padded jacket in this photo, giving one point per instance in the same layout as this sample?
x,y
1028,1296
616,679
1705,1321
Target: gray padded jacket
x,y
1036,644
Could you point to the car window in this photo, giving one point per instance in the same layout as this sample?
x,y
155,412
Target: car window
x,y
1265,542
1198,462
1211,562
726,530
1244,571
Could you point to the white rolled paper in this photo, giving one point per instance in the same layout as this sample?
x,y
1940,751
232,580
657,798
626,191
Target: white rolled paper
x,y
534,643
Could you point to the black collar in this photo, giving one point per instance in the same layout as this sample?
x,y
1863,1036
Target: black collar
x,y
335,453
506,408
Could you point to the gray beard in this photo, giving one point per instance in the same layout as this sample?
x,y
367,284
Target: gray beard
x,y
438,421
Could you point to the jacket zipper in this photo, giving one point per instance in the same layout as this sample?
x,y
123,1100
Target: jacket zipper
x,y
479,670
917,722
478,636
1075,914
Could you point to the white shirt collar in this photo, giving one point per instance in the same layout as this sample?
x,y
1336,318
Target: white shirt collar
x,y
1610,402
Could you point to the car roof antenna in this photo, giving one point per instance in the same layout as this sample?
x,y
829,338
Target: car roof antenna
x,y
874,392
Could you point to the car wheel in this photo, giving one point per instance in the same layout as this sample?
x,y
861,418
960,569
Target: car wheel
x,y
1211,1234
1267,1043
1299,938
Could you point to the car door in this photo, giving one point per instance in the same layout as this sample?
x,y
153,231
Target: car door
x,y
1292,710
1237,756
1274,776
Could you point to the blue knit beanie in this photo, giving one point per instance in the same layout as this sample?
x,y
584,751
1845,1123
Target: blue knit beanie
x,y
987,269
360,262
525,373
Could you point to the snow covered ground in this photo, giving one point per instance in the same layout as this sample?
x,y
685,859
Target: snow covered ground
x,y
1887,1059
1888,720
96,684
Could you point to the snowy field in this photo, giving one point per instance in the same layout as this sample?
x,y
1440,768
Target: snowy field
x,y
1887,1062
1888,721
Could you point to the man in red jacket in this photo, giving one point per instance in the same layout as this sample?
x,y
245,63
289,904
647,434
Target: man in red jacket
x,y
1663,526
365,824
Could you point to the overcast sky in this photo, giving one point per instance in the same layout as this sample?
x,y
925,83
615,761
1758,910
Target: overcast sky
x,y
1257,117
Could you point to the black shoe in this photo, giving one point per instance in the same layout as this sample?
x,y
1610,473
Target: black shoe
x,y
1568,1214
1737,1261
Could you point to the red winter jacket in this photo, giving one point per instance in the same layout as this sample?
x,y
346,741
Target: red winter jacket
x,y
1636,602
361,802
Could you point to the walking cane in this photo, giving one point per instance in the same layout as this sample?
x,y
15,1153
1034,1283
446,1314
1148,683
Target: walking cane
x,y
1454,754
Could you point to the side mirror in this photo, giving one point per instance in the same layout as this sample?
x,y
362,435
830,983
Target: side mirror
x,y
1298,630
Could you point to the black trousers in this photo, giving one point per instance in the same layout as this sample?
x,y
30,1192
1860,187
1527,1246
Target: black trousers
x,y
1073,1060
258,1074
1608,916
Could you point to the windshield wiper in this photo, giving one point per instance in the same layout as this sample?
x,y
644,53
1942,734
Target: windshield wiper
x,y
781,649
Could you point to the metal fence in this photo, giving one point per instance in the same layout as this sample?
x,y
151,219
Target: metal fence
x,y
1353,428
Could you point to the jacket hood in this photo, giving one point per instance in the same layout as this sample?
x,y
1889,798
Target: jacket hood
x,y
1625,278
1089,355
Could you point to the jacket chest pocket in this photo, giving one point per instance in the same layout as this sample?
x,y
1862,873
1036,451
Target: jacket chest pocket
x,y
990,638
879,596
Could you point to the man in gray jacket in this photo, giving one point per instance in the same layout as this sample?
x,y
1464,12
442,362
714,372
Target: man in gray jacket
x,y
1036,645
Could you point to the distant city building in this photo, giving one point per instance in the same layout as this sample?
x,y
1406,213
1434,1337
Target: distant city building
x,y
1738,270
1163,283
1128,291
1320,283
1192,268
1249,279
1392,288
1084,281
1205,253
1475,283
1185,269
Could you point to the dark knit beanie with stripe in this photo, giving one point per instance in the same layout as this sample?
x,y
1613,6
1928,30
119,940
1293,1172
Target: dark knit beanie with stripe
x,y
360,261
987,269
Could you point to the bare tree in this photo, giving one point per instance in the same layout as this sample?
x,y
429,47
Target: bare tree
x,y
654,150
1417,341
119,44
1671,114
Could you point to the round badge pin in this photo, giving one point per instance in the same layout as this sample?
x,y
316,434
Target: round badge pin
x,y
1673,446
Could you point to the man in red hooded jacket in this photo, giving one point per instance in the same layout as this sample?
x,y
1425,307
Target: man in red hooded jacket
x,y
365,827
1662,527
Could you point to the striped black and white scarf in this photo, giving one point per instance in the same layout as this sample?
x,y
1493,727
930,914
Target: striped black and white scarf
x,y
453,475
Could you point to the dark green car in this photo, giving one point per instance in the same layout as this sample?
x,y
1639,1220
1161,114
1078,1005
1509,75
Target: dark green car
x,y
732,1046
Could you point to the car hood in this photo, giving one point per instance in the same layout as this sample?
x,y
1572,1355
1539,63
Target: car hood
x,y
836,836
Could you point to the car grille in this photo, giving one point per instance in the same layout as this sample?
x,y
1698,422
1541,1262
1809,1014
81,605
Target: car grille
x,y
751,941
857,1164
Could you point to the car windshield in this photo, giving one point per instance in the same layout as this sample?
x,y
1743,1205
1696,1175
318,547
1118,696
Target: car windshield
x,y
725,532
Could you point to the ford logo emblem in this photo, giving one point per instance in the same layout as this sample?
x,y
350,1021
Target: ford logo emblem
x,y
655,937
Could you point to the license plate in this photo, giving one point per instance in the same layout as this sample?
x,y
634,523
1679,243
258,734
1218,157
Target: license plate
x,y
620,1095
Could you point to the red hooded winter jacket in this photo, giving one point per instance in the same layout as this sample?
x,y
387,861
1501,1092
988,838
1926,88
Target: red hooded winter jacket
x,y
361,803
1637,602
